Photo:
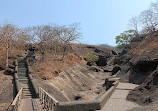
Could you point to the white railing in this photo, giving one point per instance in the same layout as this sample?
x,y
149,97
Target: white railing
x,y
16,103
48,102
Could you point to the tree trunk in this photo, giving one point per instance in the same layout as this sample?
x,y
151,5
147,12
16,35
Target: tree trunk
x,y
55,51
7,54
63,54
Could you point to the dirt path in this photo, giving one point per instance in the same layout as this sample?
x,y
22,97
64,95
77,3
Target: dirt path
x,y
117,101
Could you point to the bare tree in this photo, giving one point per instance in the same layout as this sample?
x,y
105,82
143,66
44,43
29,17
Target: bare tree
x,y
154,7
53,39
133,23
43,36
8,34
149,20
67,35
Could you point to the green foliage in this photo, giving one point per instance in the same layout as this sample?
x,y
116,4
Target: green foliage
x,y
92,58
124,38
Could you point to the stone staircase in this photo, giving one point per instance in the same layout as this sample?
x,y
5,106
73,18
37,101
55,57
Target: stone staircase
x,y
24,80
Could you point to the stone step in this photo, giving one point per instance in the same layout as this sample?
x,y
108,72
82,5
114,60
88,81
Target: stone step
x,y
26,89
22,62
21,69
22,72
26,96
24,81
21,66
22,75
27,93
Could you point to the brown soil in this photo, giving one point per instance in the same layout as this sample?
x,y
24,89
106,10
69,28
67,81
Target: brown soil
x,y
50,67
6,91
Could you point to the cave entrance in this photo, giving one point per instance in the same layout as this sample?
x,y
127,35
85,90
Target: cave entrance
x,y
146,66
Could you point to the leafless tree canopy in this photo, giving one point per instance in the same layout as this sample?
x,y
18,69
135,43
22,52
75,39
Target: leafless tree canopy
x,y
134,24
46,38
147,21
8,34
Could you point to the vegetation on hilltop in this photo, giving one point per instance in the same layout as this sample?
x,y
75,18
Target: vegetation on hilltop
x,y
46,38
145,23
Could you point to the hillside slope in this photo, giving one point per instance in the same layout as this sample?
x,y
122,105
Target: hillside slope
x,y
50,68
139,62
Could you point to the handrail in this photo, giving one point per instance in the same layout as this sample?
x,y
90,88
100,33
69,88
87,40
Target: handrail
x,y
9,107
48,102
16,103
51,104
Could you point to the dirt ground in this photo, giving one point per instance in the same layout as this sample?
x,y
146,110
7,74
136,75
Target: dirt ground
x,y
6,91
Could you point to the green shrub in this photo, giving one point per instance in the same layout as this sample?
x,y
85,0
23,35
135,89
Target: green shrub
x,y
92,58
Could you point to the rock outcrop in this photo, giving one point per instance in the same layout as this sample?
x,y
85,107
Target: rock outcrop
x,y
138,62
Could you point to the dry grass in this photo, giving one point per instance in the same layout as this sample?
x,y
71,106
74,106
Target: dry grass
x,y
147,45
51,68
12,55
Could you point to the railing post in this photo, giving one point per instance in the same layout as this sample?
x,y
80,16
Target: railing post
x,y
16,103
47,101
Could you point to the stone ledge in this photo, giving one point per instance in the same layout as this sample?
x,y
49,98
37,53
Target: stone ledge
x,y
87,105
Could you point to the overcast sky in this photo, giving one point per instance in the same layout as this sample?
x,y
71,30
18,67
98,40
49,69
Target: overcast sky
x,y
101,20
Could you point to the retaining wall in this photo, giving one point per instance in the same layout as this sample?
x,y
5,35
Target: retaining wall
x,y
32,81
87,105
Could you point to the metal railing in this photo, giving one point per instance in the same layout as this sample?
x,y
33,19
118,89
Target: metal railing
x,y
48,102
16,103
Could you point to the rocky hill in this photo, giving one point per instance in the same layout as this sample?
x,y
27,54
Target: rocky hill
x,y
138,62
76,55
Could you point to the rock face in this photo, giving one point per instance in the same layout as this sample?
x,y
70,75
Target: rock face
x,y
77,84
147,92
102,61
138,62
139,58
103,53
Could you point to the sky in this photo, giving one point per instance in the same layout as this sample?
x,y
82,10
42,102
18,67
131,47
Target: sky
x,y
100,20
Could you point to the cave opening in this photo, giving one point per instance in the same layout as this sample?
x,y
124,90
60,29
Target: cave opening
x,y
146,66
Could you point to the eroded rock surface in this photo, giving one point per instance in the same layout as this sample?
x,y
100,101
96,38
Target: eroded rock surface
x,y
76,84
138,62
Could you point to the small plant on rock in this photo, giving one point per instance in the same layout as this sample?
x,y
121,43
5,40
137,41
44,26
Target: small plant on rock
x,y
91,59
